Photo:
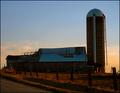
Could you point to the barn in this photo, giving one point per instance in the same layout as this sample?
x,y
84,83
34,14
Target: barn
x,y
51,60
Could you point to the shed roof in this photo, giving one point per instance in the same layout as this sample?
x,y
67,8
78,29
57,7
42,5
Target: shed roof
x,y
13,57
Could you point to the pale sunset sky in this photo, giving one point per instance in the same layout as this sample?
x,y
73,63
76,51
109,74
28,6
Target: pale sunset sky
x,y
29,25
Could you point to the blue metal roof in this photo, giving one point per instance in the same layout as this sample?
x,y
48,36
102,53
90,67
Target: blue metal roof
x,y
69,54
59,55
57,50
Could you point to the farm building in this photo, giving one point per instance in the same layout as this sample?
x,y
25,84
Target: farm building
x,y
51,60
70,58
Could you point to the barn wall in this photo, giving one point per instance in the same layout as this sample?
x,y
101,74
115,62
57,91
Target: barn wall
x,y
50,66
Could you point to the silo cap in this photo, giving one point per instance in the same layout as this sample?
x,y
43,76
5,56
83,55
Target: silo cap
x,y
95,12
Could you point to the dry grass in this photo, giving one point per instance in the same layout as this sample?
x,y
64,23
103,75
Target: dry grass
x,y
98,80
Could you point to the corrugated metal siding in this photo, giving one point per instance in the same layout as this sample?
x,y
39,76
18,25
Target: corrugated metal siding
x,y
59,58
63,54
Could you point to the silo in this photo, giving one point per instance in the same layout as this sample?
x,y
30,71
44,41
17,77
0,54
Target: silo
x,y
95,39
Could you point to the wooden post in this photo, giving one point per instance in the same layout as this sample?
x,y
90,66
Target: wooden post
x,y
71,75
37,73
25,72
115,86
57,75
36,69
89,78
57,71
30,73
30,69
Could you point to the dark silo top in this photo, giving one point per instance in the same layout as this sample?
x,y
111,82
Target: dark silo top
x,y
95,12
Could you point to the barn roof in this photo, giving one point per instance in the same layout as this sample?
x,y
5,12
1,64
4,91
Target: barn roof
x,y
69,54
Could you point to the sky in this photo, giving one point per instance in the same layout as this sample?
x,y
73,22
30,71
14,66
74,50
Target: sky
x,y
29,25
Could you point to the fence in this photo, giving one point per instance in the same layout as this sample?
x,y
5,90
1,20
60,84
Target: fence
x,y
98,80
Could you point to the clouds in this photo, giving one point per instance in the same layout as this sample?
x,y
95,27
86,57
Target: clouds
x,y
17,49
